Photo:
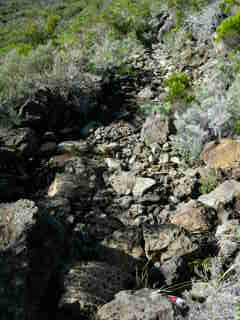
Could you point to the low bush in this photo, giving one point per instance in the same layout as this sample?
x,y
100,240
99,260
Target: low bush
x,y
229,29
19,74
127,16
51,24
190,137
178,86
209,119
208,183
110,52
213,114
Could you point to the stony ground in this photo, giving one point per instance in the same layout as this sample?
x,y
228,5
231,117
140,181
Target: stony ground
x,y
102,219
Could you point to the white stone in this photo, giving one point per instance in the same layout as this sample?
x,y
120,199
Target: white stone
x,y
142,185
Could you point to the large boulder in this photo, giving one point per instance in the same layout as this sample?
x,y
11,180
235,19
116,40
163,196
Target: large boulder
x,y
138,305
15,218
75,177
224,155
192,217
124,248
89,285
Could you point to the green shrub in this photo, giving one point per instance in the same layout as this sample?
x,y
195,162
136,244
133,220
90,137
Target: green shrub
x,y
229,28
51,24
126,16
178,85
24,48
110,52
33,33
20,74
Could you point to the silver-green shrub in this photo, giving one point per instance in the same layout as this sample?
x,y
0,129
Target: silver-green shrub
x,y
190,137
213,115
112,52
19,75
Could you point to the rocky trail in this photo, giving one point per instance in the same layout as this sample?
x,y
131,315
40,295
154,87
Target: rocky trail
x,y
84,218
100,218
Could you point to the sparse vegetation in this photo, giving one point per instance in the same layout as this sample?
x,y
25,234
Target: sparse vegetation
x,y
221,296
106,31
208,183
190,137
181,7
99,59
201,268
214,113
149,108
178,85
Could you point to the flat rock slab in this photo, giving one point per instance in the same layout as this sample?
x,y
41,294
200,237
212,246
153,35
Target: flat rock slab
x,y
224,155
222,195
142,185
165,241
127,183
143,304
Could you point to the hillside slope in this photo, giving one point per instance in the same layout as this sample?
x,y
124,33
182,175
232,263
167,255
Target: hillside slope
x,y
119,159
